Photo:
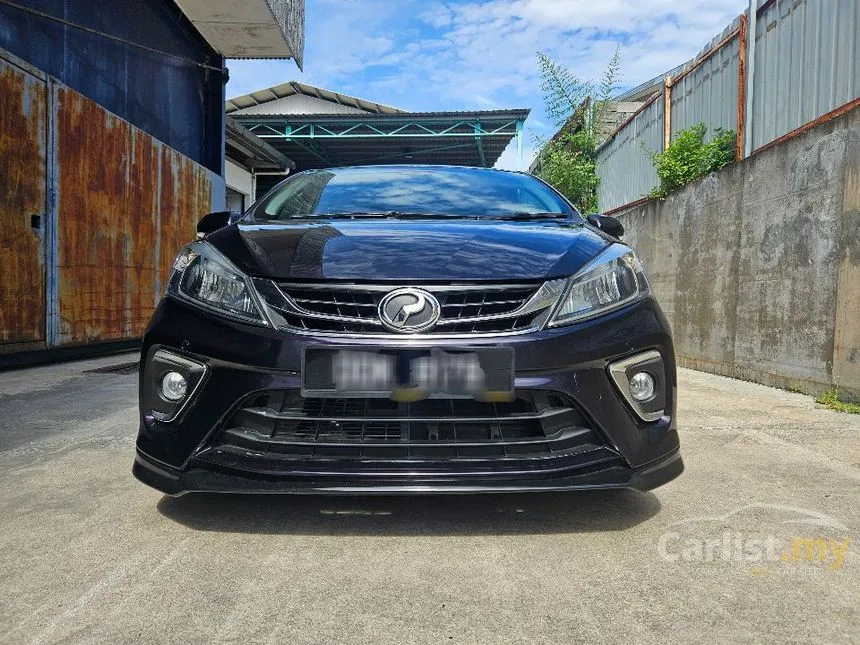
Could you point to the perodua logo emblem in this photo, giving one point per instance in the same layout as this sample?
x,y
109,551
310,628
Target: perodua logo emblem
x,y
409,310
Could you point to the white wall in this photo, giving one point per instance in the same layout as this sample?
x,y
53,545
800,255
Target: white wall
x,y
240,180
299,104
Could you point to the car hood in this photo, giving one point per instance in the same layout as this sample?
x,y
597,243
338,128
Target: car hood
x,y
409,250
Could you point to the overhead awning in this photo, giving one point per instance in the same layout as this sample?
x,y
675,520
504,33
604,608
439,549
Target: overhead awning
x,y
242,147
320,128
327,140
250,28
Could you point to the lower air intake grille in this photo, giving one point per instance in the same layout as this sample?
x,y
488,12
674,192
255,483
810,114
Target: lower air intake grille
x,y
536,423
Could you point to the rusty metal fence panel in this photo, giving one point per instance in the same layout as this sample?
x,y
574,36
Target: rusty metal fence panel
x,y
807,63
624,163
92,214
126,204
23,144
185,193
93,236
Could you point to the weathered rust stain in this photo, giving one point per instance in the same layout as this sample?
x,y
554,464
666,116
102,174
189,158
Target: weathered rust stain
x,y
742,87
846,342
186,195
821,120
705,57
93,219
851,192
23,106
142,237
116,238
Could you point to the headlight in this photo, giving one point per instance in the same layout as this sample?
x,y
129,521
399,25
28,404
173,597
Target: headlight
x,y
613,279
206,278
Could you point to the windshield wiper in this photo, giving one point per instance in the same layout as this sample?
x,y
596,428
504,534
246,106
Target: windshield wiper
x,y
372,215
527,216
417,215
344,215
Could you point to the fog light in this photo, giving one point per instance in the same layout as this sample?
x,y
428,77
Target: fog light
x,y
173,386
642,386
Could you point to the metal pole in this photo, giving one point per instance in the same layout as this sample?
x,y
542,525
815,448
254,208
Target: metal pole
x,y
748,116
519,145
667,112
742,87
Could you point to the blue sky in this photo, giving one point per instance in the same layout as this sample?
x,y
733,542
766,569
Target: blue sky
x,y
428,55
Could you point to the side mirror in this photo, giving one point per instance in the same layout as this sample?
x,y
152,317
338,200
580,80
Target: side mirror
x,y
211,222
607,224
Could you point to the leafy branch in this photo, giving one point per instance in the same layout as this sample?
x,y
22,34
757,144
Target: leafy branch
x,y
568,161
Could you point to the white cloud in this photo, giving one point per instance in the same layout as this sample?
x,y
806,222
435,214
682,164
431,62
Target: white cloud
x,y
509,159
438,16
443,55
494,43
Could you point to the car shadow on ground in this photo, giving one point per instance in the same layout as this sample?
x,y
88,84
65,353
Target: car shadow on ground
x,y
525,513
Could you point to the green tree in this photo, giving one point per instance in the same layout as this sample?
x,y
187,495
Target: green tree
x,y
567,162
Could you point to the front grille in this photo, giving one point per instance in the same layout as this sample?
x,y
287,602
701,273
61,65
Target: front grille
x,y
465,309
284,424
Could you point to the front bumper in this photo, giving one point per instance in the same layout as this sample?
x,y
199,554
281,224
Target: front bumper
x,y
182,456
202,480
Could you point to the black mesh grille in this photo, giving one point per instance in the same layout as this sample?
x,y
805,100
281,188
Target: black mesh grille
x,y
536,423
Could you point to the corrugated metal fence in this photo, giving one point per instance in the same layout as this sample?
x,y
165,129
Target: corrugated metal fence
x,y
708,91
804,65
624,160
807,63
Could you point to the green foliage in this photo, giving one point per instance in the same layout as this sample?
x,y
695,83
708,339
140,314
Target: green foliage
x,y
688,157
568,163
611,76
830,399
563,92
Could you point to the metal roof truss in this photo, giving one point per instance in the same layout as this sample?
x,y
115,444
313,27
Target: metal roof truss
x,y
366,130
472,139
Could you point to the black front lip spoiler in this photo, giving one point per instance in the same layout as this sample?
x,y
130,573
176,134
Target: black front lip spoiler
x,y
197,480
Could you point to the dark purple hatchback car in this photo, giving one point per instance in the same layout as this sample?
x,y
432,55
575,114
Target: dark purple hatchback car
x,y
404,329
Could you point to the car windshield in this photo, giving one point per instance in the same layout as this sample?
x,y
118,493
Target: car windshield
x,y
401,191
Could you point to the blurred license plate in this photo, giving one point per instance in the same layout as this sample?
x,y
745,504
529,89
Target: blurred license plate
x,y
413,374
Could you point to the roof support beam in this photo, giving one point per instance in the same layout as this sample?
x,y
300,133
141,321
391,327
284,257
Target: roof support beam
x,y
311,148
321,132
519,145
479,142
378,136
416,153
363,129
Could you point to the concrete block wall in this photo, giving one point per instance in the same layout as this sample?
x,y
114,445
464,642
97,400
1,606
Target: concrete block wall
x,y
758,266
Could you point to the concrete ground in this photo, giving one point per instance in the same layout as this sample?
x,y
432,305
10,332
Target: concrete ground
x,y
89,555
